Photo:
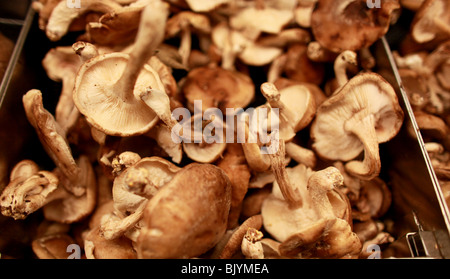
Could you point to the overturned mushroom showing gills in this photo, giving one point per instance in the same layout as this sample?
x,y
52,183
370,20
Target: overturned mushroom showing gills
x,y
107,87
362,114
188,216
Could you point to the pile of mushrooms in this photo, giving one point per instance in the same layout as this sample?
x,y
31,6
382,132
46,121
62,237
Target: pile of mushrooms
x,y
134,178
423,60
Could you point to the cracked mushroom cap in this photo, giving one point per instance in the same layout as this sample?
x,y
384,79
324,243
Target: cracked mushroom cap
x,y
363,113
107,86
188,216
350,24
431,21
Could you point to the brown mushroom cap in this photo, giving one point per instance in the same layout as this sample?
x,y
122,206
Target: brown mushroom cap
x,y
217,87
366,98
350,24
188,216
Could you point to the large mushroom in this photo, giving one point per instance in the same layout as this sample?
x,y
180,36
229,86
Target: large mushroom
x,y
188,216
301,215
107,86
362,114
350,24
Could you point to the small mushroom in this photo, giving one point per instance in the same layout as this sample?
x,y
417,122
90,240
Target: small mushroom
x,y
234,241
106,86
188,216
132,188
27,190
350,24
185,23
30,191
431,21
368,109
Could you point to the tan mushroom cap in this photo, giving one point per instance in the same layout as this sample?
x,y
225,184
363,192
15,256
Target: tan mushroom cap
x,y
205,6
350,24
188,216
363,113
431,21
217,87
107,86
267,19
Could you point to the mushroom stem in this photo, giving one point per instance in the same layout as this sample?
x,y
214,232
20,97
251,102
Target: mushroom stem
x,y
319,184
159,102
343,62
112,229
362,125
185,44
290,194
273,96
150,34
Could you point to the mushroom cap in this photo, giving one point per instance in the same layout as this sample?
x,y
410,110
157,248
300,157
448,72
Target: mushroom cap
x,y
205,6
267,20
107,112
301,102
218,87
366,90
350,24
280,221
188,216
423,27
